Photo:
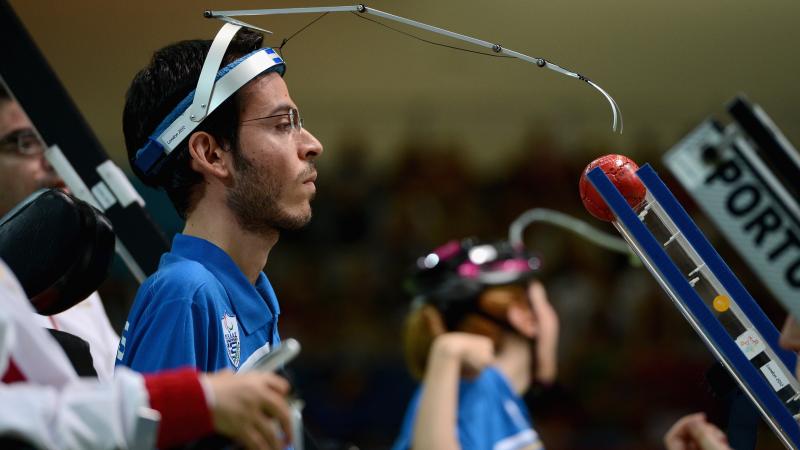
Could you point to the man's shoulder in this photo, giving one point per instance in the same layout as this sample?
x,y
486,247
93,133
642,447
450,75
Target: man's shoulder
x,y
182,280
183,272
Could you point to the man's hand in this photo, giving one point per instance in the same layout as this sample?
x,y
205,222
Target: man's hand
x,y
693,432
473,352
251,408
546,335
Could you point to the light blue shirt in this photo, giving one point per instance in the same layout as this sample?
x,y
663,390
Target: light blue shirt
x,y
490,416
198,309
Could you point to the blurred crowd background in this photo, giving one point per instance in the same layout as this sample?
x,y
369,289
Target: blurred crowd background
x,y
425,144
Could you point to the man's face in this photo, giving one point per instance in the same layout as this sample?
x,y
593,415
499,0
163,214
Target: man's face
x,y
273,183
20,175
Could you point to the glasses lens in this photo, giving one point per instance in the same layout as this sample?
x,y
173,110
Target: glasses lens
x,y
296,120
29,143
23,142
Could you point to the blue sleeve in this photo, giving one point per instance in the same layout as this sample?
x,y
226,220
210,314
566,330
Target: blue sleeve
x,y
173,334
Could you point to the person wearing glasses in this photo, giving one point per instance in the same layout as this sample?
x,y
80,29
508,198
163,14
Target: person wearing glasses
x,y
23,171
23,167
238,176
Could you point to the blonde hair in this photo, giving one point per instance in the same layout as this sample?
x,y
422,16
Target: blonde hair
x,y
424,323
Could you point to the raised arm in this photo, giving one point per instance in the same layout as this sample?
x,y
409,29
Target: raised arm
x,y
451,355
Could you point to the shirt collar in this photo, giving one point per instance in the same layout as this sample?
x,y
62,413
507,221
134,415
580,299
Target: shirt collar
x,y
252,315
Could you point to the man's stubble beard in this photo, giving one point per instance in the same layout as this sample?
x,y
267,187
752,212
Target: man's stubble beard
x,y
254,196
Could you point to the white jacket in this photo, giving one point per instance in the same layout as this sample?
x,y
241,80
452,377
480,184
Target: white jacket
x,y
54,408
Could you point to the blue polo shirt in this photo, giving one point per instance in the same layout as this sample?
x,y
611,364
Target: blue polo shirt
x,y
198,309
490,416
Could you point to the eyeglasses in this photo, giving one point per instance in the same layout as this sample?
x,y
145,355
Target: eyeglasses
x,y
295,120
24,142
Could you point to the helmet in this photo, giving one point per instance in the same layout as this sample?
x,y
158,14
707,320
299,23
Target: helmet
x,y
452,277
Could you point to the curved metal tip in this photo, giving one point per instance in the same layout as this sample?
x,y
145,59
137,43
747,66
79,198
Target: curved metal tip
x,y
616,124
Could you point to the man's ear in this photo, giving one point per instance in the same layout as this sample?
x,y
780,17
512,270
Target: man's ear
x,y
521,317
209,158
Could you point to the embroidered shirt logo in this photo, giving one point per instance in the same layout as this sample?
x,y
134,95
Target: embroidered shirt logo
x,y
230,333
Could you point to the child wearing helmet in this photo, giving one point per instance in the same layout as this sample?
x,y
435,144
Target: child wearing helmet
x,y
481,331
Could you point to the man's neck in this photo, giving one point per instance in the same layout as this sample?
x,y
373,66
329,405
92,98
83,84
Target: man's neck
x,y
218,225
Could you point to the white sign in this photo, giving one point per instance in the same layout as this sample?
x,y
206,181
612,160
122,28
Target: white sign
x,y
747,203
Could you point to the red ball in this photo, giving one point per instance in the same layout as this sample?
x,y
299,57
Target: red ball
x,y
621,170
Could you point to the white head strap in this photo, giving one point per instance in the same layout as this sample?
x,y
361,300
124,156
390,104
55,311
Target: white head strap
x,y
213,87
